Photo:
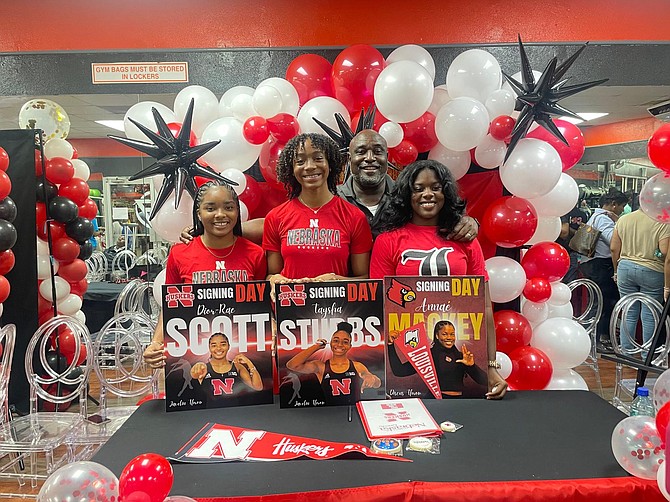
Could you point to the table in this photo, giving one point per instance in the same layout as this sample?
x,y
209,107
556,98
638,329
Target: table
x,y
548,445
98,303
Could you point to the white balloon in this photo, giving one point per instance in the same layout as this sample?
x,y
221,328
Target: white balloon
x,y
228,97
490,152
660,479
416,53
157,181
474,73
233,151
564,310
169,222
244,212
462,124
159,281
506,278
392,133
323,108
42,247
505,365
70,305
141,112
535,312
80,316
267,101
440,98
560,199
46,115
532,169
81,169
560,293
289,96
43,268
238,177
457,162
205,108
548,229
61,285
565,341
403,91
661,390
566,379
500,102
57,147
242,107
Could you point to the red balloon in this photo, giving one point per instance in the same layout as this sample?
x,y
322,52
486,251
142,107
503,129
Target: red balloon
x,y
283,127
421,132
4,159
663,420
74,271
310,74
537,289
509,221
65,249
501,127
149,474
57,231
5,185
7,261
38,163
403,154
255,130
267,160
75,153
658,148
546,259
59,170
76,190
251,195
512,330
531,369
175,129
40,213
376,124
67,344
79,288
43,305
570,153
4,288
355,72
88,209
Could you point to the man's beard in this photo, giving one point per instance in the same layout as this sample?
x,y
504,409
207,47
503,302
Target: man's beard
x,y
367,181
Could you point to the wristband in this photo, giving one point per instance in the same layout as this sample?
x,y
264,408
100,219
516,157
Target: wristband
x,y
495,364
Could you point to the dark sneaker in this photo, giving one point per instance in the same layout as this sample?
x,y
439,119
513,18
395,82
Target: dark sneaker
x,y
604,347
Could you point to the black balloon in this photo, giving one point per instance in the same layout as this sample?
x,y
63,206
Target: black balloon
x,y
8,209
63,209
85,250
7,235
46,190
55,362
81,229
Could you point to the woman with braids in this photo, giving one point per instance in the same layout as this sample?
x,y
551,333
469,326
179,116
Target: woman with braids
x,y
218,253
411,229
316,235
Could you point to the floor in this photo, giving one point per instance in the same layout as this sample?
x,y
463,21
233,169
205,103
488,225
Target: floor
x,y
607,373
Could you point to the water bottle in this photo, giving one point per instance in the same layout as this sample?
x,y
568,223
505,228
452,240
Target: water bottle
x,y
642,404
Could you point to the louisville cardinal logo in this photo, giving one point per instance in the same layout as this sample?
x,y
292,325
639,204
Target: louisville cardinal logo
x,y
400,293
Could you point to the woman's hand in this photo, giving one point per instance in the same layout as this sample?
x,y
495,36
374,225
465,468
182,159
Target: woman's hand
x,y
393,335
154,355
497,386
465,230
468,357
199,371
370,381
185,235
326,277
242,360
321,343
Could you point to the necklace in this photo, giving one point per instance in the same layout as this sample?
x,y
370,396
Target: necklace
x,y
216,255
311,208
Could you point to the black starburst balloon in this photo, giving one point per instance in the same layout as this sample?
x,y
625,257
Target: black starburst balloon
x,y
537,101
175,159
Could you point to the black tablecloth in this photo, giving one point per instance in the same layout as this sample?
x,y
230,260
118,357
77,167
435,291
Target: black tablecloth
x,y
546,435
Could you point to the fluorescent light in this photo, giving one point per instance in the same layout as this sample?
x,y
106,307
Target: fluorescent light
x,y
586,116
112,124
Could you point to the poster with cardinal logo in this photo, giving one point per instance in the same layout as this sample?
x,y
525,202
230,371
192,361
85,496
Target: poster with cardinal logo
x,y
330,347
435,337
218,343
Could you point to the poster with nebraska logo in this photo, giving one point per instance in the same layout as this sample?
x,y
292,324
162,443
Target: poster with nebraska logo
x,y
218,342
330,347
436,337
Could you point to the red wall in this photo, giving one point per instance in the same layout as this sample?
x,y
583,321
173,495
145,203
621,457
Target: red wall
x,y
63,25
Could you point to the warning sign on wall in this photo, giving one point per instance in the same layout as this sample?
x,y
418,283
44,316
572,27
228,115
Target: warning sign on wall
x,y
135,73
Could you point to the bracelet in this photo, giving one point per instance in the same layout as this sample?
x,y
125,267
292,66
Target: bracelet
x,y
494,364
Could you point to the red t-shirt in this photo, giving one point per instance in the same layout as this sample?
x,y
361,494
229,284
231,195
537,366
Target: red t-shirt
x,y
192,262
418,250
314,244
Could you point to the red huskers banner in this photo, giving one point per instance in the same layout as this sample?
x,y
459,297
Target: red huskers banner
x,y
223,443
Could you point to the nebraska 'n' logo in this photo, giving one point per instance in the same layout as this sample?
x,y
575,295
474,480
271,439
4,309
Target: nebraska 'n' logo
x,y
400,293
338,387
179,294
288,294
222,386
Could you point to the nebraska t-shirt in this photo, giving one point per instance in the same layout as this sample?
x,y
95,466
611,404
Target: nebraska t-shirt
x,y
314,244
193,262
418,250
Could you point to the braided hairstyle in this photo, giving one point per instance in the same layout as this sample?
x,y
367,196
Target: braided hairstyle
x,y
198,228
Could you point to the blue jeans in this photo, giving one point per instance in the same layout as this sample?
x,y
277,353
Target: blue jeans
x,y
634,278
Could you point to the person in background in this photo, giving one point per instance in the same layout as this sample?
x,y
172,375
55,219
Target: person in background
x,y
570,223
600,268
639,249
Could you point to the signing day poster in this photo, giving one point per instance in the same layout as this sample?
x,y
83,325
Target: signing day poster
x,y
436,337
218,341
330,347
